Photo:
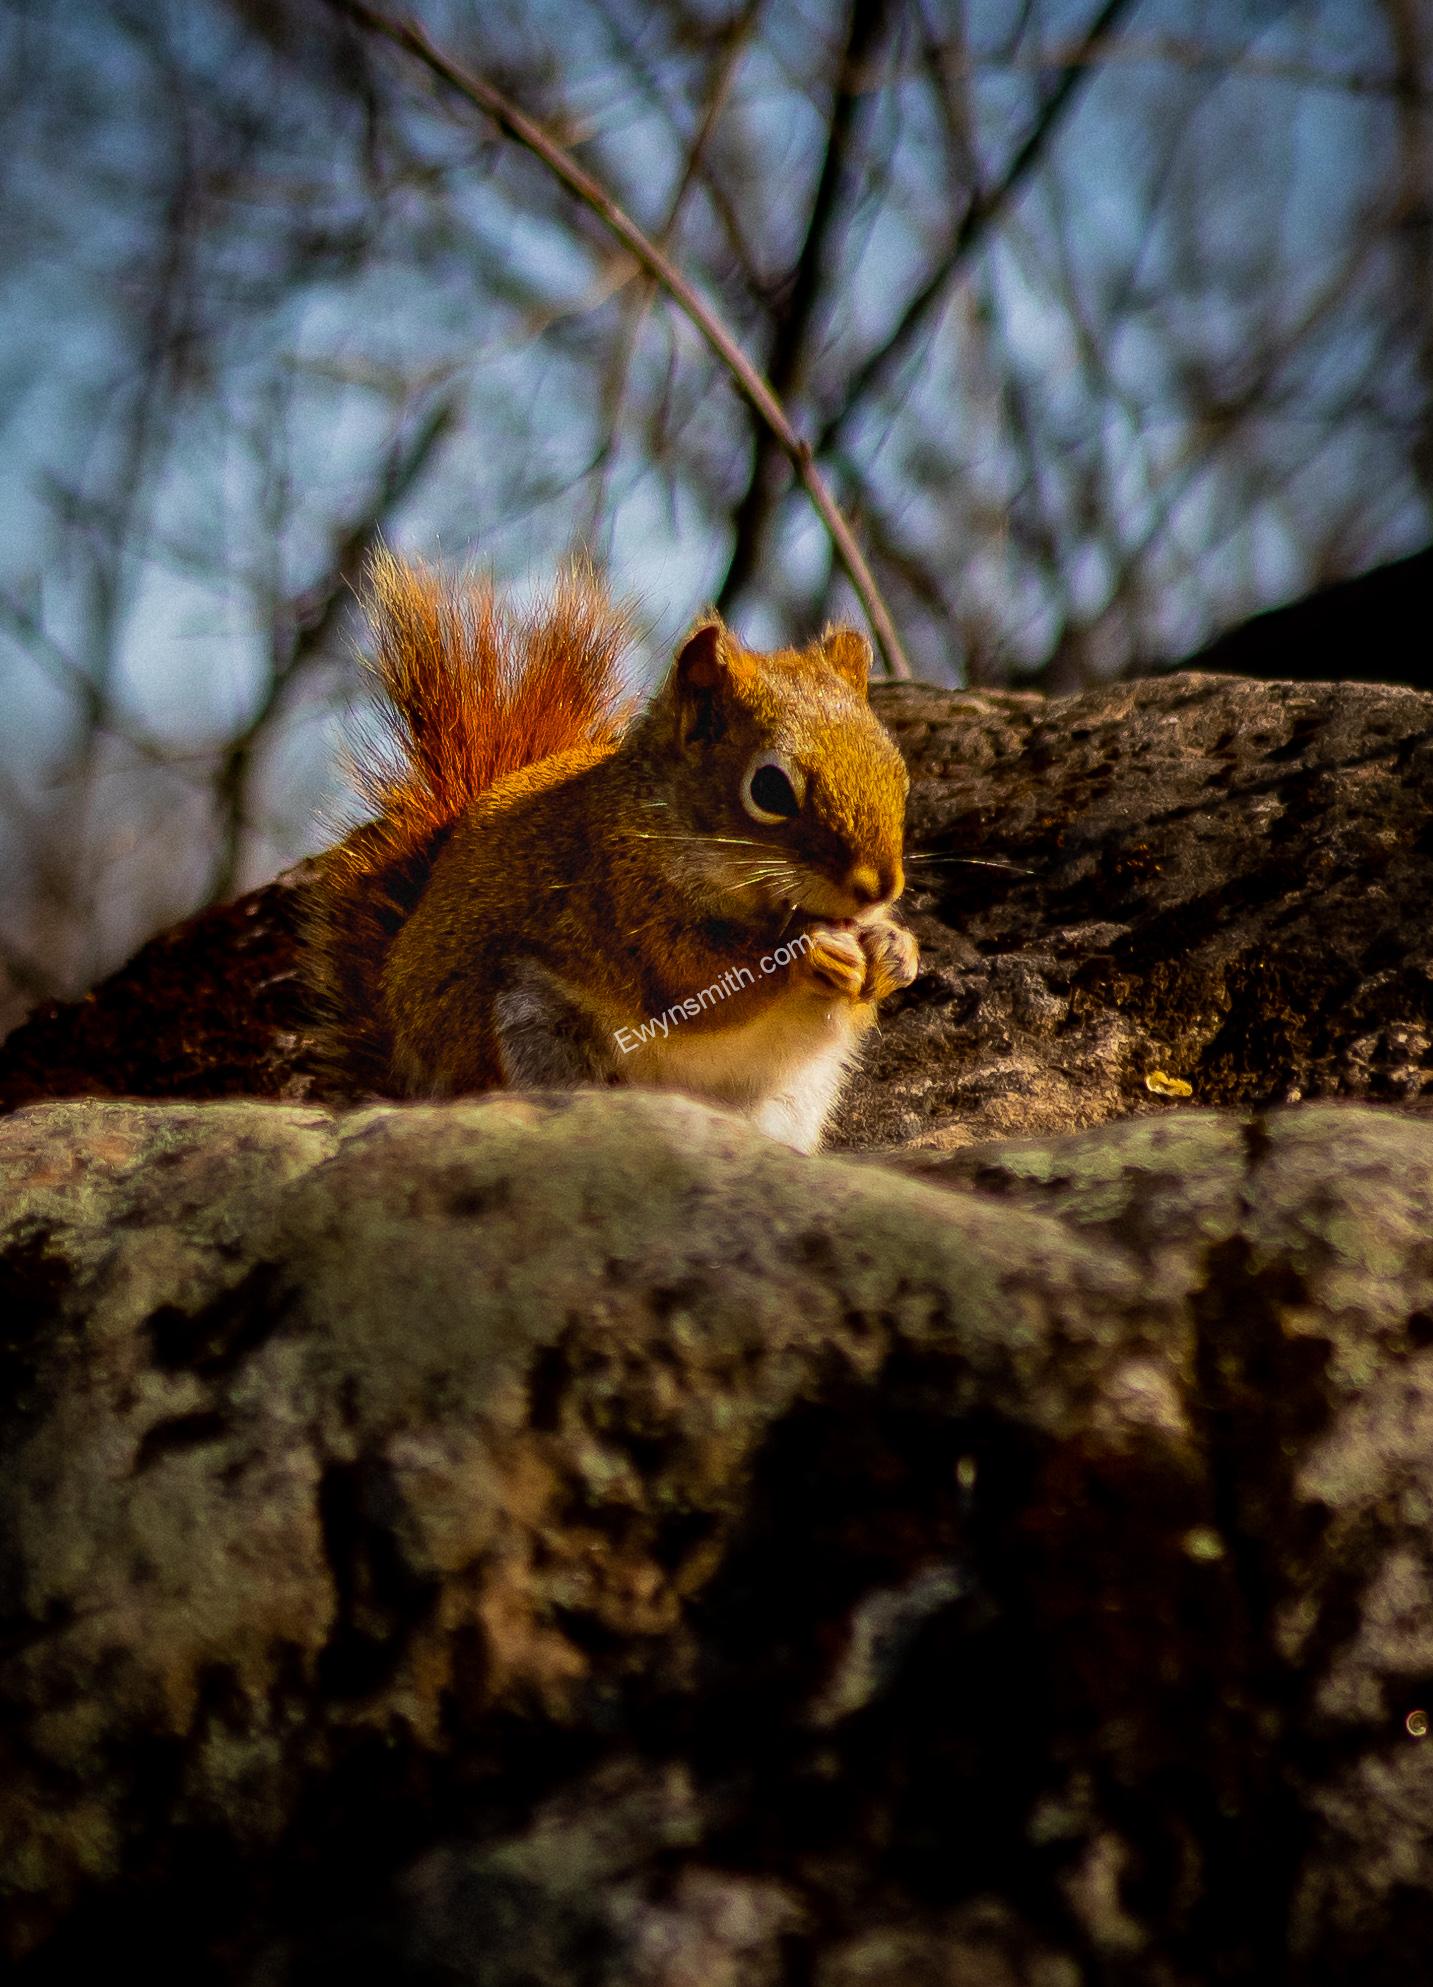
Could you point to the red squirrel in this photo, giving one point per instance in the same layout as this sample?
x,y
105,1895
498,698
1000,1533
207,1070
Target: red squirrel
x,y
557,888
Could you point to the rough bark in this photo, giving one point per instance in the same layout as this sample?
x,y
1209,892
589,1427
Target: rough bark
x,y
575,1543
1229,883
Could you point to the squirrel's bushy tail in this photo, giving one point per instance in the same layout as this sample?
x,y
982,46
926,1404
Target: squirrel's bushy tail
x,y
470,690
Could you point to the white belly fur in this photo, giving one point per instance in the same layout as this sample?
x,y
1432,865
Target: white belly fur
x,y
783,1068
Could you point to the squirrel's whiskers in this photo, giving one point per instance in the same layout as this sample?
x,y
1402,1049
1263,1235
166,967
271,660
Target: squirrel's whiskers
x,y
555,888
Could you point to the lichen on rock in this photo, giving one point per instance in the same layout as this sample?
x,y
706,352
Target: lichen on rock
x,y
582,1520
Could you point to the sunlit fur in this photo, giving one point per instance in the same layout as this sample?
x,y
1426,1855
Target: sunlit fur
x,y
468,690
599,874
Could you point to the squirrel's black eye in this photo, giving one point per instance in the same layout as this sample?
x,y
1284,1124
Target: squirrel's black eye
x,y
774,793
769,792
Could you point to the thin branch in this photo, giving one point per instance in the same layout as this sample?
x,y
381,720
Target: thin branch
x,y
730,56
96,710
803,291
1413,215
730,45
986,207
593,195
303,626
1187,52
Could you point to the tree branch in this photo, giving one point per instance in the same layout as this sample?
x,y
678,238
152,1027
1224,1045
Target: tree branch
x,y
865,23
303,626
755,389
986,207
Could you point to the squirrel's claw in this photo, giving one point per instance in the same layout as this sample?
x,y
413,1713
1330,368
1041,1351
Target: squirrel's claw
x,y
837,961
892,958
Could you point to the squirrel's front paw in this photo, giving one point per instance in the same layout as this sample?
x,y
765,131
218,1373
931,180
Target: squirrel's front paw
x,y
891,956
836,960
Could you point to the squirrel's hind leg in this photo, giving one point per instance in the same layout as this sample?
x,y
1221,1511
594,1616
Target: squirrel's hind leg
x,y
546,1039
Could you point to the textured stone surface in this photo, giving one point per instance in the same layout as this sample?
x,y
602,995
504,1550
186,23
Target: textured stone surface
x,y
1229,882
575,1541
1225,881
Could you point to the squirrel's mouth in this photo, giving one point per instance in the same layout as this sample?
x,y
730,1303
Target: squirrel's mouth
x,y
803,918
818,900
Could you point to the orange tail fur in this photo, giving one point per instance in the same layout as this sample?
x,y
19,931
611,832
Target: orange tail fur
x,y
471,690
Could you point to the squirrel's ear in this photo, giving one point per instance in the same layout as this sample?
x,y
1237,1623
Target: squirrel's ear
x,y
702,668
700,659
848,652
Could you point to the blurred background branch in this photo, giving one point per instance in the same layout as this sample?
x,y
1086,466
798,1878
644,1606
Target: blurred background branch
x,y
1109,322
764,397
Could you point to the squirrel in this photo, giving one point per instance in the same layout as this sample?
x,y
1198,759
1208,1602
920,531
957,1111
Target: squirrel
x,y
559,888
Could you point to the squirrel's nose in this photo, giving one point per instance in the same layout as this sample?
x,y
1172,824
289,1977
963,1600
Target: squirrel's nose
x,y
869,884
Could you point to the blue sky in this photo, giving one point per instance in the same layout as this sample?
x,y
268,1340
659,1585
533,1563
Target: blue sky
x,y
476,281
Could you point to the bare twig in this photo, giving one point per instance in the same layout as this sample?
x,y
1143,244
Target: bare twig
x,y
303,625
1188,52
754,388
1413,217
695,168
806,288
986,207
730,46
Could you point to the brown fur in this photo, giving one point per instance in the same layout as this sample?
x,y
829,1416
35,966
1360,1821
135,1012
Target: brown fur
x,y
540,877
469,691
